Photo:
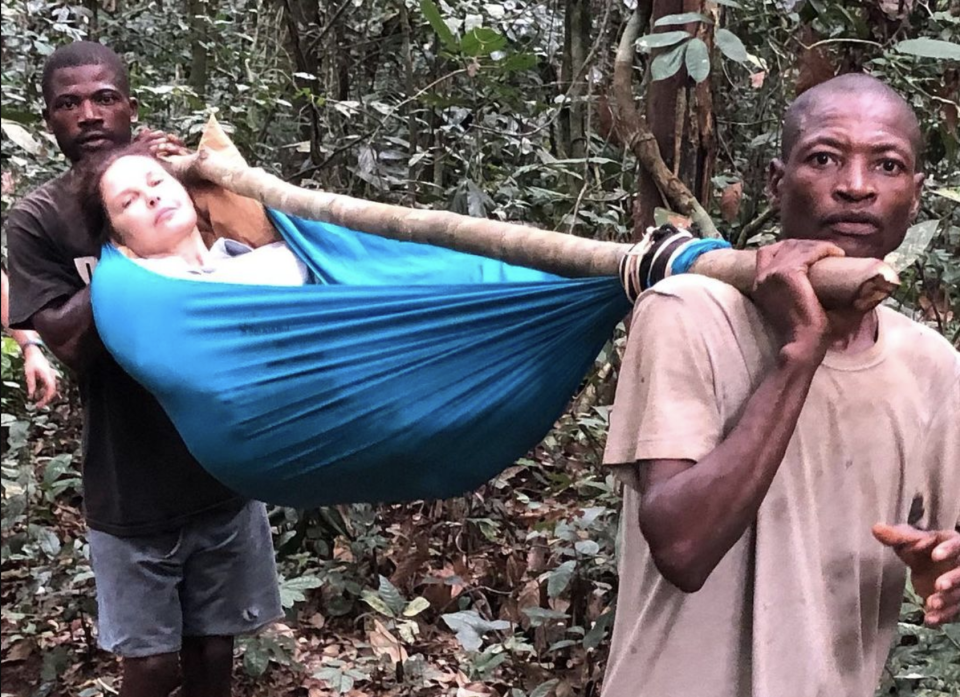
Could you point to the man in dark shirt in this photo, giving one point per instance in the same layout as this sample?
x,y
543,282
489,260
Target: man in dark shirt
x,y
182,564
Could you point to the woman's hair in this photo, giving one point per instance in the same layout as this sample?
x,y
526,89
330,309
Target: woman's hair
x,y
87,188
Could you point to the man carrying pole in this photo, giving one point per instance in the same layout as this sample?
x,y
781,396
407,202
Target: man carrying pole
x,y
182,564
778,457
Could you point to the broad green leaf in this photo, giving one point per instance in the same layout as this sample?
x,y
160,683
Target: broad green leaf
x,y
409,630
56,467
12,114
763,139
20,135
55,662
415,607
560,578
518,62
728,3
667,64
587,548
930,48
302,583
48,541
731,46
470,627
432,14
599,629
291,590
661,40
541,615
951,194
682,18
697,59
256,659
916,241
336,679
482,41
377,603
544,689
391,596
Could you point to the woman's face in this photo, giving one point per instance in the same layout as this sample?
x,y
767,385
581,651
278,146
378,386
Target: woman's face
x,y
150,211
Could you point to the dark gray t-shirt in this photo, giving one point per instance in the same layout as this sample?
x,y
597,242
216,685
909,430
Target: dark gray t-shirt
x,y
138,476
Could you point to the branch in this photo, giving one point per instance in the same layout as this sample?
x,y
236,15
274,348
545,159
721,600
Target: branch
x,y
635,133
838,281
323,32
376,129
553,252
750,228
581,73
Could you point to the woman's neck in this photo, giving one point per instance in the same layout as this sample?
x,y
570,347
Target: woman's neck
x,y
191,249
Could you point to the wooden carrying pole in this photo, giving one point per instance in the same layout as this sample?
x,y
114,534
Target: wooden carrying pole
x,y
838,282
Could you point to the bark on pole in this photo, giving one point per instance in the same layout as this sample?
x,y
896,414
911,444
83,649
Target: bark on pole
x,y
838,282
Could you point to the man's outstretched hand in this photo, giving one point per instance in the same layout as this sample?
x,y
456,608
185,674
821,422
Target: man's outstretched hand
x,y
934,561
161,144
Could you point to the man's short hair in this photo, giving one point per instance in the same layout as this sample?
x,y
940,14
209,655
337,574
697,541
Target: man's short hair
x,y
81,53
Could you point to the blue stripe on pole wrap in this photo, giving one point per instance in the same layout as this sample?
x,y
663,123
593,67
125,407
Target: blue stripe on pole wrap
x,y
692,251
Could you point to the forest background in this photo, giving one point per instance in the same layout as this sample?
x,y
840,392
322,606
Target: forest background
x,y
541,112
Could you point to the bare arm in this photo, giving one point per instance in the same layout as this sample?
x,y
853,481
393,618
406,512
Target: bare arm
x,y
37,370
23,337
69,330
726,487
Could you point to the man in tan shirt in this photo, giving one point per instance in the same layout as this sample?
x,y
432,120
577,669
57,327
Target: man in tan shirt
x,y
762,439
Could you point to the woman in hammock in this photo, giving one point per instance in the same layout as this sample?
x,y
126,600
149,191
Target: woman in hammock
x,y
146,210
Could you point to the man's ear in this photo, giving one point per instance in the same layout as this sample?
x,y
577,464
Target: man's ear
x,y
134,110
774,176
917,193
45,113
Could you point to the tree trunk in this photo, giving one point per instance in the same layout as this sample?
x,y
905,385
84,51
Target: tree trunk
x,y
576,39
410,108
201,15
634,132
673,106
305,62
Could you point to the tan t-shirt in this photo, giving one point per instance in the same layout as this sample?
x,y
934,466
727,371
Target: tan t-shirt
x,y
805,604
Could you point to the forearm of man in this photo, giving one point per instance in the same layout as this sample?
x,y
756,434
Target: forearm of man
x,y
692,514
69,331
23,337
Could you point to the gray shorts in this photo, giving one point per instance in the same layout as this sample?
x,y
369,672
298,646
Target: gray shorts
x,y
216,576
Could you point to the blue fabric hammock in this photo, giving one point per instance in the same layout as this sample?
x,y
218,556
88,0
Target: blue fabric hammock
x,y
408,372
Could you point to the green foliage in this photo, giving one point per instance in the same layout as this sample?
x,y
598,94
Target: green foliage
x,y
48,584
923,664
682,18
458,106
432,13
667,64
731,46
696,58
929,48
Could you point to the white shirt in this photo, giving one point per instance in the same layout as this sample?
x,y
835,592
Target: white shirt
x,y
230,261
